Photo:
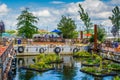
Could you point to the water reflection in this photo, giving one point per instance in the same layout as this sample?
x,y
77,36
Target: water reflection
x,y
69,70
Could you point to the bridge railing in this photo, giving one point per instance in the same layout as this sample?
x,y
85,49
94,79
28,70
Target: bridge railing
x,y
6,54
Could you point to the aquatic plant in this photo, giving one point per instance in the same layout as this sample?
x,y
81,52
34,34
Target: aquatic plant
x,y
82,54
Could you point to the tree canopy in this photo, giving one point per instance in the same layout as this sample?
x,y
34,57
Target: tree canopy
x,y
26,24
67,27
115,19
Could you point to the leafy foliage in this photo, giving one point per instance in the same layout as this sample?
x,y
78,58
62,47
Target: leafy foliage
x,y
67,27
48,58
26,23
43,61
85,18
101,34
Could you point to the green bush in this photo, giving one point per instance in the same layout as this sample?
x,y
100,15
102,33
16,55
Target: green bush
x,y
82,54
48,58
117,78
42,60
114,66
95,70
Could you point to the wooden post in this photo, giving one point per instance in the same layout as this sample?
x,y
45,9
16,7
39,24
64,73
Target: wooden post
x,y
81,35
95,37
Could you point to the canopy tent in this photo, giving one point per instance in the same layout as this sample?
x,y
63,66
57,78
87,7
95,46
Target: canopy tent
x,y
56,31
88,35
6,35
54,35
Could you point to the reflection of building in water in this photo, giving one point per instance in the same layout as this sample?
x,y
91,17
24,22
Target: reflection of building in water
x,y
57,66
68,61
25,61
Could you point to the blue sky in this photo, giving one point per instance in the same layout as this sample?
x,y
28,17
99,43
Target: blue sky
x,y
50,11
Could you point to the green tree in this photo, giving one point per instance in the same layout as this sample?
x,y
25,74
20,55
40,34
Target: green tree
x,y
115,19
85,18
67,27
26,23
101,34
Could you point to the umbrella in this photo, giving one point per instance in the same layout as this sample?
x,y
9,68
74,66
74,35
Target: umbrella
x,y
56,31
88,34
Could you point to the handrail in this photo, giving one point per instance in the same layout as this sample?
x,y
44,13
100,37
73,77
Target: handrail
x,y
6,51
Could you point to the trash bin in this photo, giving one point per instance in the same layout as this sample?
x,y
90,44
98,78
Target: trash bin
x,y
19,41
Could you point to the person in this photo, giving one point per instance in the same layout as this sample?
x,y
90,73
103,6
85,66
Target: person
x,y
116,44
28,41
31,41
4,41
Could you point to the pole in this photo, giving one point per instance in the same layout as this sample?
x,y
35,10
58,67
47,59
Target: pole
x,y
95,37
81,35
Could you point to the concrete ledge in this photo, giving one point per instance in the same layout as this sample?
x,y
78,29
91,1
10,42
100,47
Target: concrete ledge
x,y
35,54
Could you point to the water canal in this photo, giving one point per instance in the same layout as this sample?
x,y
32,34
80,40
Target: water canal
x,y
69,70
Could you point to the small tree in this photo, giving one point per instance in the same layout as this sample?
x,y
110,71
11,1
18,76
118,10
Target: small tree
x,y
115,19
26,25
67,27
85,18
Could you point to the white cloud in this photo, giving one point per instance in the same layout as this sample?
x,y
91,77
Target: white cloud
x,y
43,13
72,8
50,16
94,6
98,12
3,9
106,23
57,2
